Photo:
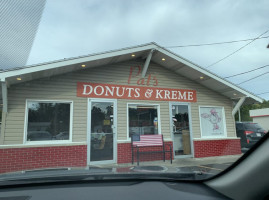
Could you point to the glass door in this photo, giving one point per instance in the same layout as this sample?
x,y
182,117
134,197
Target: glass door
x,y
102,130
181,130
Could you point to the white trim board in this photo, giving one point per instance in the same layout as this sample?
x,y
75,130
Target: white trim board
x,y
120,52
49,141
11,146
115,130
223,118
72,61
171,104
209,74
141,104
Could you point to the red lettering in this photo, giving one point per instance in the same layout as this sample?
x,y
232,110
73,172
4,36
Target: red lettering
x,y
141,81
131,73
156,81
135,72
149,78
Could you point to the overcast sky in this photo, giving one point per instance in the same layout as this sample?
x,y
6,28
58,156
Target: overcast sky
x,y
71,28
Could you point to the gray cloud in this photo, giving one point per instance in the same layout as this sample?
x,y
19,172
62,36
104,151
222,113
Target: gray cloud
x,y
73,28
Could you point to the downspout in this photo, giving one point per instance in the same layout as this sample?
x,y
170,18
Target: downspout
x,y
239,115
4,111
146,65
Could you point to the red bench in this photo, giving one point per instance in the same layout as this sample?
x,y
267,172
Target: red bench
x,y
143,141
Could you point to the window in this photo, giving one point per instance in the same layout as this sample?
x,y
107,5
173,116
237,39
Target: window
x,y
143,119
48,121
212,121
253,126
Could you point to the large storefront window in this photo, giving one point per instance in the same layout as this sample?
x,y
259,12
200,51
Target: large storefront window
x,y
48,121
143,119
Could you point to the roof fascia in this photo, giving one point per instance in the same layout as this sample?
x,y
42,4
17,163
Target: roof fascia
x,y
206,72
119,52
62,63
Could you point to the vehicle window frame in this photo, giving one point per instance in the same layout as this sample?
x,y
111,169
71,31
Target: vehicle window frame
x,y
247,126
47,141
239,126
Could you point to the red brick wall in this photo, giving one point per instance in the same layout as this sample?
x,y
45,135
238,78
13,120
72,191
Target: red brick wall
x,y
207,148
125,153
17,159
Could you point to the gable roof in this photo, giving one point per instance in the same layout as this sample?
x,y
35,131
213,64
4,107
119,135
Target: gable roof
x,y
173,62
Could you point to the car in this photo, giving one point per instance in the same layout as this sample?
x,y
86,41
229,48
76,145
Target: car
x,y
38,135
249,133
62,136
98,182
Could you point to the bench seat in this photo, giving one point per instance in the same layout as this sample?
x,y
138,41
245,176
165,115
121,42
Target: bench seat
x,y
143,141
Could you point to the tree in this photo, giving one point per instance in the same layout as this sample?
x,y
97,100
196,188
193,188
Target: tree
x,y
244,110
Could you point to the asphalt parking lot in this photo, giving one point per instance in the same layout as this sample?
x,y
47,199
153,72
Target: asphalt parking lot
x,y
209,166
185,168
210,169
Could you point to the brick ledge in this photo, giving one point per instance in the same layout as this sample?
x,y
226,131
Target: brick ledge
x,y
206,139
11,146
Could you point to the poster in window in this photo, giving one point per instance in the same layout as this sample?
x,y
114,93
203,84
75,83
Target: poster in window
x,y
212,121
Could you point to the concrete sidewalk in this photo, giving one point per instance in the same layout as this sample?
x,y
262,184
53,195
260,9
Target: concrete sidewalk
x,y
179,162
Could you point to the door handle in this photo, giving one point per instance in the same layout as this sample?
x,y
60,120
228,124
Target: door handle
x,y
113,129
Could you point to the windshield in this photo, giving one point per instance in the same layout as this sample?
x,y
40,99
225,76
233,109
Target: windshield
x,y
130,87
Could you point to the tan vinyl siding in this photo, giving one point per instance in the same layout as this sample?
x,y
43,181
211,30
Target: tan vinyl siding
x,y
63,87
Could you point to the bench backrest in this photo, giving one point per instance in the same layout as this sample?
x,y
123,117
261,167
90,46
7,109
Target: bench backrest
x,y
147,140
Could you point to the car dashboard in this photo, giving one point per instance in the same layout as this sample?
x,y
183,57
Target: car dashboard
x,y
131,190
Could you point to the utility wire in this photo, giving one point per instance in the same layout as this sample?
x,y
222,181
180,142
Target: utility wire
x,y
262,93
237,50
252,78
216,43
246,71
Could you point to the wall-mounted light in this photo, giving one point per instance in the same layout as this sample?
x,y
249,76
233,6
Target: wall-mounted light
x,y
133,55
18,78
201,77
83,65
163,59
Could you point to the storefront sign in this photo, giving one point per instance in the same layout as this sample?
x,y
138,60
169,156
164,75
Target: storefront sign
x,y
97,90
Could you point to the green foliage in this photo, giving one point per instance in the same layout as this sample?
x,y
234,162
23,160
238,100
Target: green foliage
x,y
57,115
244,110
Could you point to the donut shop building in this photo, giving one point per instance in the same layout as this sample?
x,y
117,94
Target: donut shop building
x,y
83,111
